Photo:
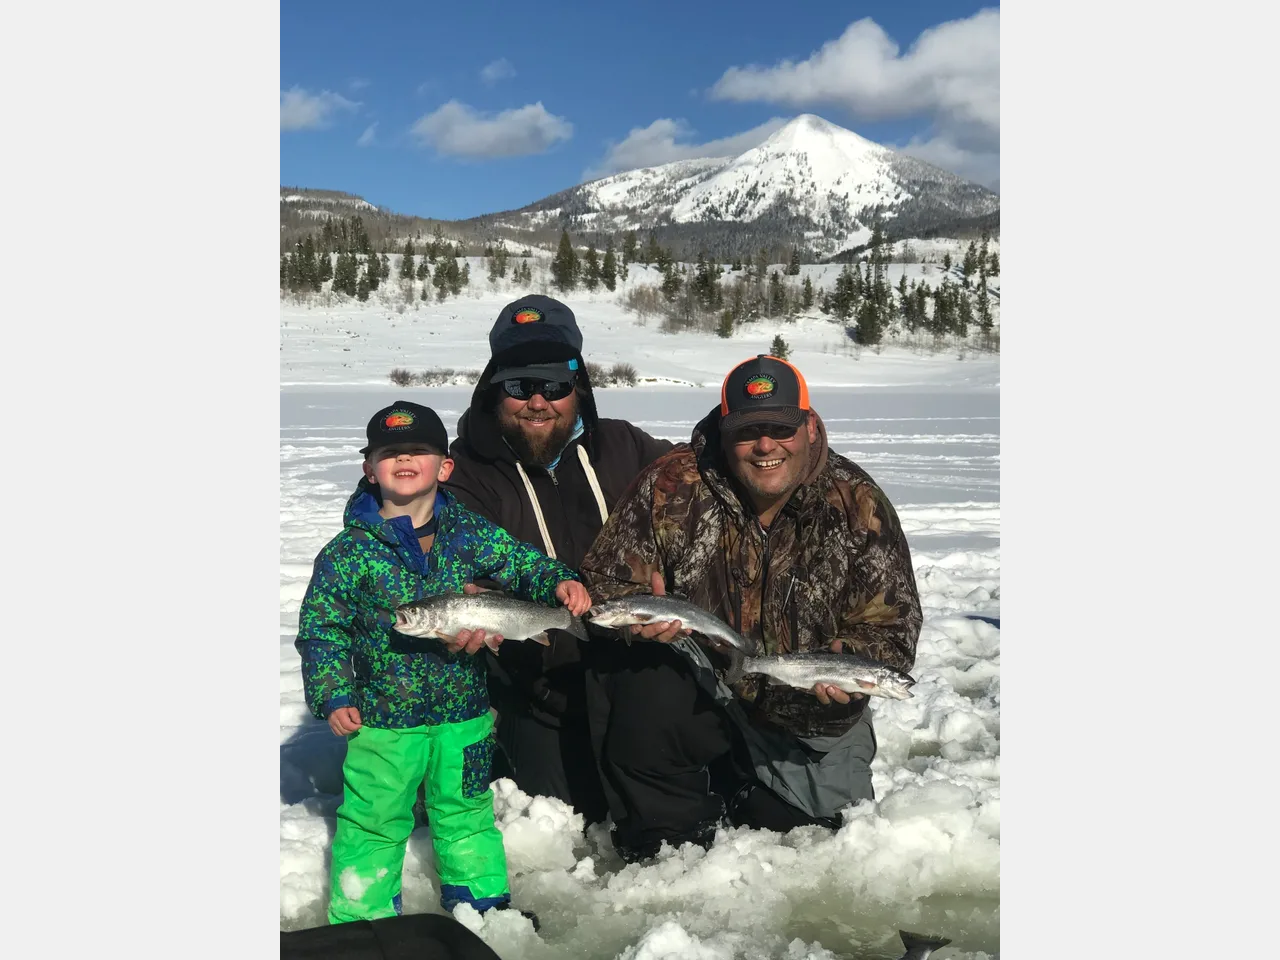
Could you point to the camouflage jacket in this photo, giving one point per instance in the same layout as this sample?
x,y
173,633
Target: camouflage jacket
x,y
833,564
346,623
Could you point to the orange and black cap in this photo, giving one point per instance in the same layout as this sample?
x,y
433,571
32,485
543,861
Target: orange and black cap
x,y
763,389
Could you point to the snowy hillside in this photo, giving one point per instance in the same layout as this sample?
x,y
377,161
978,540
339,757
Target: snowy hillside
x,y
810,170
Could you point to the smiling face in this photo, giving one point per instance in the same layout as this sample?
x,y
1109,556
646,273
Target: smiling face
x,y
767,463
537,429
407,471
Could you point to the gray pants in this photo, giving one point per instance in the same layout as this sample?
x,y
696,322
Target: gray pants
x,y
832,773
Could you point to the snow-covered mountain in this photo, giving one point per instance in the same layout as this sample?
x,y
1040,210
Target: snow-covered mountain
x,y
812,182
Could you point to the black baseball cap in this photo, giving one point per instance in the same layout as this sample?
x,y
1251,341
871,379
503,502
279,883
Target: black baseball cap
x,y
763,389
406,422
535,336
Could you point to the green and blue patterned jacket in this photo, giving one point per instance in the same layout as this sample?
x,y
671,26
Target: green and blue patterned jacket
x,y
345,624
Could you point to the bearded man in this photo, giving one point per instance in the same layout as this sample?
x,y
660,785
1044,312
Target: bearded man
x,y
533,456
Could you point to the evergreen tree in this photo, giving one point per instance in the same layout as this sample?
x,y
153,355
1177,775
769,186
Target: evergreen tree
x,y
564,268
629,248
591,269
310,269
609,269
779,348
652,252
964,314
703,282
725,327
946,262
993,267
324,267
869,322
985,320
737,263
806,295
362,286
670,282
424,270
793,268
777,304
970,265
406,261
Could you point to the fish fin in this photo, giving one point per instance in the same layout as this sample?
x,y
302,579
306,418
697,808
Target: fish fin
x,y
541,638
488,642
577,628
919,945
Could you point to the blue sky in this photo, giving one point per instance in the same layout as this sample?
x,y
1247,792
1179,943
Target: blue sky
x,y
456,110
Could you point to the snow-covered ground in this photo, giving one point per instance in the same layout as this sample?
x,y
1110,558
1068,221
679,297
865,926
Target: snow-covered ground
x,y
923,857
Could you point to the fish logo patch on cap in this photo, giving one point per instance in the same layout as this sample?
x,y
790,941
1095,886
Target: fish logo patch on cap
x,y
398,420
527,315
760,385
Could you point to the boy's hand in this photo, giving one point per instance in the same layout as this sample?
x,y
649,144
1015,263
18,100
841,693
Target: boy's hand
x,y
344,721
470,641
573,595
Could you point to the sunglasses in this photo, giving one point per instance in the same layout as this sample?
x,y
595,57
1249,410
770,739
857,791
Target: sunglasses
x,y
774,431
523,388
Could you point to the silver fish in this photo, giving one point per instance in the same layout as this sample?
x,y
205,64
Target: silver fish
x,y
643,608
848,671
920,946
493,612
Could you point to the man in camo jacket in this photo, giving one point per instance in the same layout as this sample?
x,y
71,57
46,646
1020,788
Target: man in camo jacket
x,y
795,547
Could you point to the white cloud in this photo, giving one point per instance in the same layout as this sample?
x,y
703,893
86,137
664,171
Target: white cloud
x,y
950,75
498,70
366,138
358,83
977,165
458,130
656,144
300,110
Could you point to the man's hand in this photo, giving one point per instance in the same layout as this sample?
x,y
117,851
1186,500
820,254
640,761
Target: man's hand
x,y
574,596
470,641
344,721
826,692
664,631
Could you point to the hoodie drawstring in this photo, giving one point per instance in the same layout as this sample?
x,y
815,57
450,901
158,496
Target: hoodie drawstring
x,y
595,483
537,507
537,512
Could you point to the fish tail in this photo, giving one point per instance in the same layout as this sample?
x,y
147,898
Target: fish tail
x,y
919,945
577,628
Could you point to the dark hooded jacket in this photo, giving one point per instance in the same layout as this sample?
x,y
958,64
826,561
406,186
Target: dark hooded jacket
x,y
834,563
548,681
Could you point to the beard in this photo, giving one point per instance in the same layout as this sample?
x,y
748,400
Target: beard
x,y
540,449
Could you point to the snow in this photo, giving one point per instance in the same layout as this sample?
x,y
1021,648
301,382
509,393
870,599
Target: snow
x,y
924,857
814,160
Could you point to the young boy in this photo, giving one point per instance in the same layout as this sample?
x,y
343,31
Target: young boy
x,y
411,716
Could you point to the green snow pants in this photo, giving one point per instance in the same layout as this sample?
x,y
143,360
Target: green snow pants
x,y
380,784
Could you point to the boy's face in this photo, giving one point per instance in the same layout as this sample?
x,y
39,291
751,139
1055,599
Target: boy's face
x,y
405,471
